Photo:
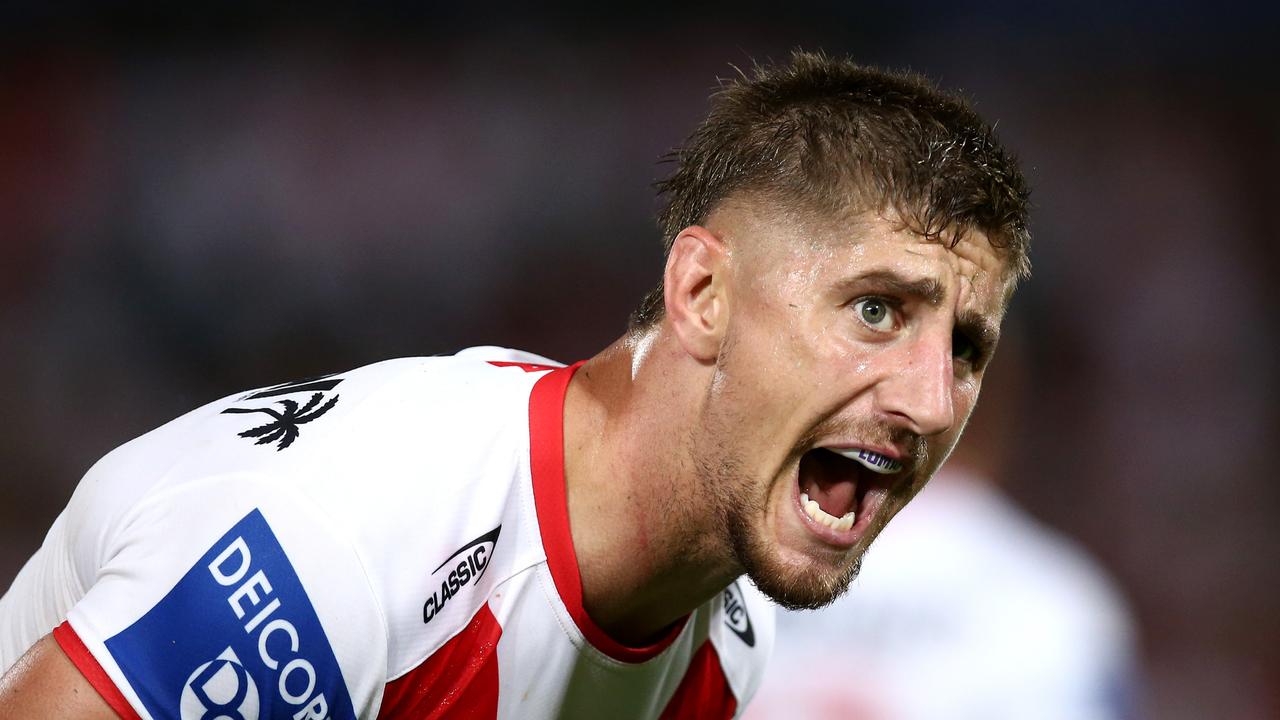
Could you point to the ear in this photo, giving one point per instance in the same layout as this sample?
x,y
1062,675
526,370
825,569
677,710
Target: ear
x,y
695,291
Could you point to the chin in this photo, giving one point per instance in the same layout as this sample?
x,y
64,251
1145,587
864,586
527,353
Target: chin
x,y
806,584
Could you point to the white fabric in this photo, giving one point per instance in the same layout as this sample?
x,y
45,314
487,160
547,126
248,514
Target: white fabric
x,y
965,608
412,460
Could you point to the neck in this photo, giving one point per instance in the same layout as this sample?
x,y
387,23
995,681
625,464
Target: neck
x,y
645,554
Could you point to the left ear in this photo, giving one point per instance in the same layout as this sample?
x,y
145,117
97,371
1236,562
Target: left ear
x,y
696,291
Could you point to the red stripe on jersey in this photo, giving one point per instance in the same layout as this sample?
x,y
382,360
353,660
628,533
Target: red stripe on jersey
x,y
87,664
704,693
459,681
527,367
546,460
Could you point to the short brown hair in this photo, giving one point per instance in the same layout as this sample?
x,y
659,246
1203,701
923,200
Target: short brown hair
x,y
827,135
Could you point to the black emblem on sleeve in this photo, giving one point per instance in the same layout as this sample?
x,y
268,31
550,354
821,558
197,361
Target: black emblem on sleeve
x,y
284,423
735,615
319,383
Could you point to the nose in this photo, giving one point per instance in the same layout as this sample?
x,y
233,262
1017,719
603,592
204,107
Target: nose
x,y
917,395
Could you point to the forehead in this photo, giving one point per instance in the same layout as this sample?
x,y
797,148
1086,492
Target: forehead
x,y
791,250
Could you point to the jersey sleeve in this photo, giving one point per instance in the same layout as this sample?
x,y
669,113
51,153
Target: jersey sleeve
x,y
230,596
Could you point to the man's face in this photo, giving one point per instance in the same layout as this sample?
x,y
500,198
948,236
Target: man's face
x,y
852,358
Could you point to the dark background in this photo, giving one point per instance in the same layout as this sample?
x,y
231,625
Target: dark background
x,y
206,197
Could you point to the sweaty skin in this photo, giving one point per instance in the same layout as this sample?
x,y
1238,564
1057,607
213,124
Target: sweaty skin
x,y
44,684
761,356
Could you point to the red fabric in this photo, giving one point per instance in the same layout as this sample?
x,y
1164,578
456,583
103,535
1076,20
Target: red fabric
x,y
527,367
458,682
546,460
704,692
87,664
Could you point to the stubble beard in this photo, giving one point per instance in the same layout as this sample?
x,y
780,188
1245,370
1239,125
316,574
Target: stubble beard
x,y
739,507
739,504
795,588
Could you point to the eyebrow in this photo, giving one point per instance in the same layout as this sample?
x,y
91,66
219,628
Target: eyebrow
x,y
927,289
976,326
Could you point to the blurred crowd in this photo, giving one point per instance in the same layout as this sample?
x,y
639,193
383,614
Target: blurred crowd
x,y
199,204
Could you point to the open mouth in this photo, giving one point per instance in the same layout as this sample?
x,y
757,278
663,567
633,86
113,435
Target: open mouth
x,y
834,484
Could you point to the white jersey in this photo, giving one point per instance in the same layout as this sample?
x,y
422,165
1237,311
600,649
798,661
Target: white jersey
x,y
389,542
965,608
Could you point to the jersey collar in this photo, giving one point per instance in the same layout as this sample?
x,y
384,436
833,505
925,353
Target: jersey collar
x,y
546,456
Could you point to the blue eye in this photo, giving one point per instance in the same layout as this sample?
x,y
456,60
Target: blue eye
x,y
875,312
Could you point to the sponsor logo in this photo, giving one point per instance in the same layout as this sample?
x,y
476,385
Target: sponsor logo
x,y
466,566
220,688
283,427
735,615
236,638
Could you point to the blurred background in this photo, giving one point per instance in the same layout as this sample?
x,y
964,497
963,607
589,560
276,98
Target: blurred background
x,y
206,197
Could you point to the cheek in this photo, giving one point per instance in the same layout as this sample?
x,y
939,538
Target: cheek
x,y
777,344
746,385
964,396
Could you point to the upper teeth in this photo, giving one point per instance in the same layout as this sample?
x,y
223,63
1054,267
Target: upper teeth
x,y
835,523
873,460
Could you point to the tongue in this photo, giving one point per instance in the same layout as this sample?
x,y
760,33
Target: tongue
x,y
829,480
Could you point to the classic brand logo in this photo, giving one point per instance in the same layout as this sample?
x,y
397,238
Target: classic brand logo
x,y
236,637
220,688
735,615
472,560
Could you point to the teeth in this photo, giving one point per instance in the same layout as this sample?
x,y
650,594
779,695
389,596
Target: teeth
x,y
819,515
874,461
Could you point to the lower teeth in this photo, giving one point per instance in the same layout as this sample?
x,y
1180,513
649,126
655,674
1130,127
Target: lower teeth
x,y
819,515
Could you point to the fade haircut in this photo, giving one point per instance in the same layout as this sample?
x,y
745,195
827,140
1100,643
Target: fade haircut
x,y
830,136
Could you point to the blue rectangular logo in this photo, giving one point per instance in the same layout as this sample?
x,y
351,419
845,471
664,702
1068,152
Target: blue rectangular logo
x,y
236,638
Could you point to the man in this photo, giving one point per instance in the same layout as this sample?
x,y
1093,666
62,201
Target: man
x,y
488,535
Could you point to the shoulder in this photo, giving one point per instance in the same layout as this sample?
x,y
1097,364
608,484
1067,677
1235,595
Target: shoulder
x,y
965,586
305,515
380,414
1044,578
